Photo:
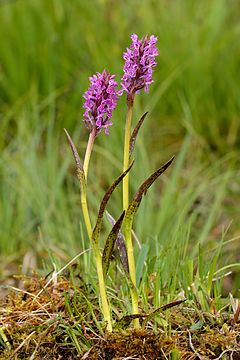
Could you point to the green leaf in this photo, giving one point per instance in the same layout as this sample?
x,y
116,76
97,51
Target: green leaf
x,y
165,307
125,321
187,273
120,245
213,266
197,326
133,206
110,242
103,205
135,133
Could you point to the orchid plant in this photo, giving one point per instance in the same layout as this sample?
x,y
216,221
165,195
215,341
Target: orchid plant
x,y
100,101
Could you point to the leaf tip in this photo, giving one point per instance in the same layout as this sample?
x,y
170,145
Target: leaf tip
x,y
75,152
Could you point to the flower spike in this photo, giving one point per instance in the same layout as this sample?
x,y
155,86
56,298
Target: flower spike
x,y
139,63
100,101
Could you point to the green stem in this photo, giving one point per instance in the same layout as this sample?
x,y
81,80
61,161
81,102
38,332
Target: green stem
x,y
85,206
95,247
132,271
88,152
126,156
102,288
83,183
128,225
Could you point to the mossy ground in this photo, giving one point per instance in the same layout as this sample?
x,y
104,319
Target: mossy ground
x,y
51,320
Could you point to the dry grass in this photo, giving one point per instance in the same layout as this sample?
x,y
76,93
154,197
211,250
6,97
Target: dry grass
x,y
51,320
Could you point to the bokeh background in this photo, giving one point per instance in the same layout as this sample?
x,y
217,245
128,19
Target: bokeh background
x,y
48,50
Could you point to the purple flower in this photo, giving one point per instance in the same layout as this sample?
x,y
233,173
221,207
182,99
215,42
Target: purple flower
x,y
139,63
101,99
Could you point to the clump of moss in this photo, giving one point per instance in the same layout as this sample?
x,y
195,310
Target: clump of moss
x,y
145,344
60,320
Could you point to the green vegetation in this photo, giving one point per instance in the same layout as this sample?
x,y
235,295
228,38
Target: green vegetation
x,y
187,229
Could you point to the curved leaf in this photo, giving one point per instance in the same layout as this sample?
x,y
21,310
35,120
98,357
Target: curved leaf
x,y
135,133
103,205
120,245
110,242
133,206
75,153
126,320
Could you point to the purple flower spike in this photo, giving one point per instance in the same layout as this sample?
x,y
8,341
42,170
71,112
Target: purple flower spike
x,y
139,63
101,99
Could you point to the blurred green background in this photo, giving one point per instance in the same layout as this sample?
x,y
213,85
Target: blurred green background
x,y
48,50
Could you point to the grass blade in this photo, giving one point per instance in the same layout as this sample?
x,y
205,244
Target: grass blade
x,y
140,262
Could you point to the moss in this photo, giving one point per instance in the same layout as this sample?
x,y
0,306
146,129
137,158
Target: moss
x,y
53,321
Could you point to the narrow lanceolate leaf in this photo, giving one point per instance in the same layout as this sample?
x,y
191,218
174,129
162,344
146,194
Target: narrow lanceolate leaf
x,y
135,133
133,206
120,245
166,306
75,154
103,205
125,321
110,242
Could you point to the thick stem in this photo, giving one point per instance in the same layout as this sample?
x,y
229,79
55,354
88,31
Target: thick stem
x,y
132,271
85,207
83,183
128,226
88,152
95,247
102,288
126,156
